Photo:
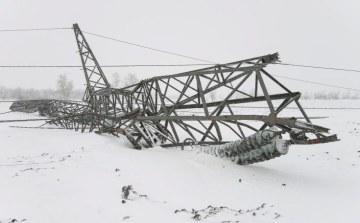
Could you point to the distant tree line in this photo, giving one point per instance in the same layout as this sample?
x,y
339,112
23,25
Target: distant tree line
x,y
332,95
64,90
321,95
123,81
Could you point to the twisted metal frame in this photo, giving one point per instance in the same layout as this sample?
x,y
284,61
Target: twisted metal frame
x,y
152,112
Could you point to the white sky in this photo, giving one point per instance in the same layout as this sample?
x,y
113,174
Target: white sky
x,y
319,33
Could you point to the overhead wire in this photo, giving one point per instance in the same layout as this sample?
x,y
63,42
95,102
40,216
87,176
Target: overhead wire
x,y
175,54
163,51
325,68
5,112
311,82
40,29
149,48
79,66
236,106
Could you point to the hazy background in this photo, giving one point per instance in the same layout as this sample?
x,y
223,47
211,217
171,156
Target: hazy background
x,y
319,33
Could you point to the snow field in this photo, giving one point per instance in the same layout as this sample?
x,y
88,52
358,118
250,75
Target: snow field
x,y
65,176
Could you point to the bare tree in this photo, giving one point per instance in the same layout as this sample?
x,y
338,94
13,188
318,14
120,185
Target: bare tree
x,y
130,79
346,95
212,95
306,96
18,93
3,92
116,80
356,96
64,86
334,95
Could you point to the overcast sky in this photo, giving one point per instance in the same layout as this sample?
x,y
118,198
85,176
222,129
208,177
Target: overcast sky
x,y
319,33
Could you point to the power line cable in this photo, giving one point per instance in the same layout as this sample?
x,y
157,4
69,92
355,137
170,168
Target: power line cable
x,y
133,44
173,65
315,67
167,52
264,107
24,30
149,48
5,112
240,106
163,51
109,38
123,65
153,65
311,82
166,65
25,120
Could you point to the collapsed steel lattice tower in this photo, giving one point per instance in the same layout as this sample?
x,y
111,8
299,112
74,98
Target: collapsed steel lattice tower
x,y
154,111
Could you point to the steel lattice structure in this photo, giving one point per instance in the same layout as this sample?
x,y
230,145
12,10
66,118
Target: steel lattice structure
x,y
153,112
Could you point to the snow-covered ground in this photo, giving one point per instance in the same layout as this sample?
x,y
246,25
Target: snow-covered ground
x,y
52,175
